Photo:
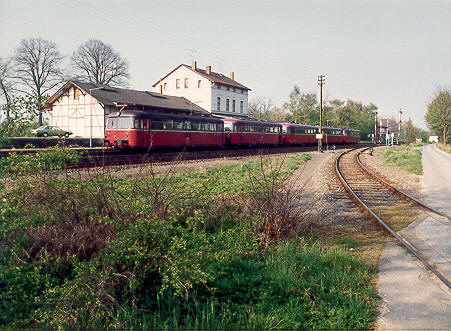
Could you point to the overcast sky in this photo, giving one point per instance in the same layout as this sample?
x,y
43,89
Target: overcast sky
x,y
391,53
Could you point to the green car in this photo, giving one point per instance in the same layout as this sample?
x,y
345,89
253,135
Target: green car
x,y
46,131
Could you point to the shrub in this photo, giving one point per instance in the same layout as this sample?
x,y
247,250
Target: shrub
x,y
207,248
406,156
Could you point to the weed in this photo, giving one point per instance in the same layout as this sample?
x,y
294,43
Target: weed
x,y
407,157
200,249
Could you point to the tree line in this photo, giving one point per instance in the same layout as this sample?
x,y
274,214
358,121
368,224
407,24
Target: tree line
x,y
304,108
438,115
37,66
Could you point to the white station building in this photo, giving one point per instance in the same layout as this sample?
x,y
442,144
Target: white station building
x,y
83,107
214,92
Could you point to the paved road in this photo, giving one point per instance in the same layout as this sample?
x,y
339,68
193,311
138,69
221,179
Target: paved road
x,y
413,297
437,178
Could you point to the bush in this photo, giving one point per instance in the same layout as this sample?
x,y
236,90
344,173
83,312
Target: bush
x,y
406,156
210,248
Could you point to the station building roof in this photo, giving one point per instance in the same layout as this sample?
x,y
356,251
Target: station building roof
x,y
118,97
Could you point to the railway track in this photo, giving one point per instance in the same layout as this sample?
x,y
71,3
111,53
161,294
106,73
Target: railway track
x,y
106,157
373,194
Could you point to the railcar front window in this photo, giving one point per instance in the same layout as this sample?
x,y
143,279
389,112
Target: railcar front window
x,y
135,123
123,123
111,123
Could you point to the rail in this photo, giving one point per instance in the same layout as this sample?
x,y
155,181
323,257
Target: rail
x,y
368,210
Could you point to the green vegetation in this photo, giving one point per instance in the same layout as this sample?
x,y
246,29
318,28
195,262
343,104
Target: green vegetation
x,y
438,115
304,108
407,157
214,248
445,148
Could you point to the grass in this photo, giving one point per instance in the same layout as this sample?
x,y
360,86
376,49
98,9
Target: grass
x,y
445,147
398,215
214,248
406,157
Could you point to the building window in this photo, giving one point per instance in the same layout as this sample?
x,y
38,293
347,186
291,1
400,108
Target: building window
x,y
241,106
218,86
233,105
198,83
177,83
227,104
165,85
76,94
218,103
186,82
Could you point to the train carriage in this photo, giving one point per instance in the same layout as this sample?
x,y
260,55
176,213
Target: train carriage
x,y
333,136
251,133
298,134
352,136
141,129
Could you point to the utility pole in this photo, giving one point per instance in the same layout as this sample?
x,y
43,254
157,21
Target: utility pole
x,y
399,124
375,126
321,82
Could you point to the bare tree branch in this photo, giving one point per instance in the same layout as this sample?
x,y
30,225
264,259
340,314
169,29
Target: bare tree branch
x,y
6,82
37,67
98,63
259,108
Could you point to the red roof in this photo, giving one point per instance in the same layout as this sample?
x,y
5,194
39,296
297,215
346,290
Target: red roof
x,y
213,77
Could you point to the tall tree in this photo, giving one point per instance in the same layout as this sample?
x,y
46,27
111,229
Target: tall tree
x,y
350,114
409,132
302,107
438,115
6,83
98,63
259,108
37,67
277,114
22,111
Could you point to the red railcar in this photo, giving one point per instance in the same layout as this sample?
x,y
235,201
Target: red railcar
x,y
140,129
251,133
333,136
133,128
352,136
298,134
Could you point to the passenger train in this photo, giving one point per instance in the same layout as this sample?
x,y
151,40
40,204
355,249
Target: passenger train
x,y
140,129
